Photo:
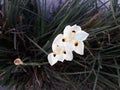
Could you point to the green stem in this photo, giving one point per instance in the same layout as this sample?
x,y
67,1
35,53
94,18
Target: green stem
x,y
34,64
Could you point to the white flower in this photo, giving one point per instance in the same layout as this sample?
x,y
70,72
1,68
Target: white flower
x,y
59,54
63,45
72,38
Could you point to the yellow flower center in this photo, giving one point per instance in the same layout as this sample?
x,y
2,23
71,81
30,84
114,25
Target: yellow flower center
x,y
64,52
63,40
72,35
54,55
76,44
73,31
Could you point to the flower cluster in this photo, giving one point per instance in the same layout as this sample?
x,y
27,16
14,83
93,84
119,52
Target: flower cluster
x,y
64,44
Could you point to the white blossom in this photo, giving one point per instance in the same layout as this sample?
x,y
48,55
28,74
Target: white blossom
x,y
64,44
59,54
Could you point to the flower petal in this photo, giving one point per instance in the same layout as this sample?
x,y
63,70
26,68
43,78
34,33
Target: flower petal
x,y
81,36
57,41
79,47
52,59
60,57
68,56
68,46
71,31
76,28
67,31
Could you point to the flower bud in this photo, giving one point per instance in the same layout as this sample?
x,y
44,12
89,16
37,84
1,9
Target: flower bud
x,y
18,61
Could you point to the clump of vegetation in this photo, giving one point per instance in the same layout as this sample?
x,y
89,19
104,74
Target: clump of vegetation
x,y
27,33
